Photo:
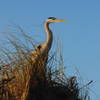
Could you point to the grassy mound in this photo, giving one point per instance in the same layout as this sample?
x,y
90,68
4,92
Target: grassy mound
x,y
15,73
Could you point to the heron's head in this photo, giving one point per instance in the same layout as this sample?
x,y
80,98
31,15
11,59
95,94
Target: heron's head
x,y
54,20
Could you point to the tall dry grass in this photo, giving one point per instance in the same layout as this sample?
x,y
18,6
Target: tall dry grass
x,y
15,72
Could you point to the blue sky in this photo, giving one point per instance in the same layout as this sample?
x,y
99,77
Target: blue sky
x,y
80,35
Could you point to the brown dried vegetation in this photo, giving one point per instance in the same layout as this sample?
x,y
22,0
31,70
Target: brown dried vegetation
x,y
23,79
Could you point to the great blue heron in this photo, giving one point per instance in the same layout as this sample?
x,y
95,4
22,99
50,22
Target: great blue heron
x,y
16,90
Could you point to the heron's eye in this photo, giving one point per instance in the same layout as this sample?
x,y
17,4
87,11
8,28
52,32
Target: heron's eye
x,y
51,18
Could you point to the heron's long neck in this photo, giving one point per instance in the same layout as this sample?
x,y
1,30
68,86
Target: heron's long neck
x,y
49,39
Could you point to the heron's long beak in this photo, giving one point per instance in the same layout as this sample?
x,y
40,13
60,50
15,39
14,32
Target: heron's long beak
x,y
57,20
60,20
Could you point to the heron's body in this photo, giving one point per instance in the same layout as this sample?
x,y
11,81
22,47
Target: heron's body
x,y
22,90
